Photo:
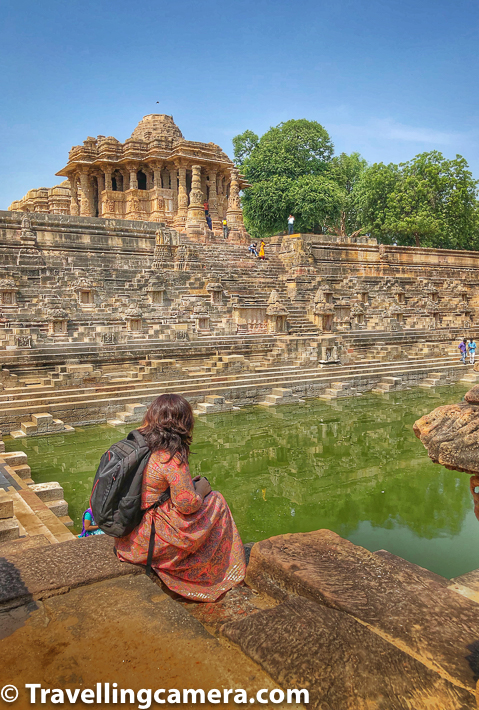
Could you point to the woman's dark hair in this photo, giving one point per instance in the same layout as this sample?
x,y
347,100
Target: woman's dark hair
x,y
168,426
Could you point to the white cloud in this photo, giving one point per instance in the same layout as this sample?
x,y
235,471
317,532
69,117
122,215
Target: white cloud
x,y
390,130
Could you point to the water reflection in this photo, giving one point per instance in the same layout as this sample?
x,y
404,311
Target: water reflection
x,y
354,467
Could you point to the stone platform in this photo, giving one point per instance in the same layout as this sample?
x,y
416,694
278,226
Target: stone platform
x,y
358,630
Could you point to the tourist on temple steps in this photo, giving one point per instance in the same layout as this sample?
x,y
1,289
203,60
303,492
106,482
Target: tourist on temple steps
x,y
261,250
290,224
198,552
209,222
472,350
206,206
462,347
225,228
252,249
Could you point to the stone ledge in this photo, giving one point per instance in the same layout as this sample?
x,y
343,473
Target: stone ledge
x,y
341,662
415,613
59,567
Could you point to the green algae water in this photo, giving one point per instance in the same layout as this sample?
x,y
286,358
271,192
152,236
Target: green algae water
x,y
353,466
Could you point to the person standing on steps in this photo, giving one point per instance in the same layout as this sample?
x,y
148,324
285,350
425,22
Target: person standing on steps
x,y
225,228
261,250
290,224
472,351
206,207
209,222
462,347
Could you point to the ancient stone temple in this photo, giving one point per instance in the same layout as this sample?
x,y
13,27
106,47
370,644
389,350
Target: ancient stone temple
x,y
155,175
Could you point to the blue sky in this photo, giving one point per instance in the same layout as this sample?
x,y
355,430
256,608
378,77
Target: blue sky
x,y
388,78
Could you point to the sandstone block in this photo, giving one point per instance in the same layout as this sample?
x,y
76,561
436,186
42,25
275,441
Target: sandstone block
x,y
342,664
28,428
58,507
48,491
449,434
15,458
9,529
6,505
67,564
42,421
416,613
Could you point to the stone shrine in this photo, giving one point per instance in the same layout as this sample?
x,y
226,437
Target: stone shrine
x,y
155,175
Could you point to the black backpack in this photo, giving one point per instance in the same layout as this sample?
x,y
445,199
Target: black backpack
x,y
116,496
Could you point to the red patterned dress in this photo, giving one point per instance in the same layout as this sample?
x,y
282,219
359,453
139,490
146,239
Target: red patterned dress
x,y
198,551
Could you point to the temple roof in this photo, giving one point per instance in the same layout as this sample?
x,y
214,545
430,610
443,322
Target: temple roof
x,y
156,125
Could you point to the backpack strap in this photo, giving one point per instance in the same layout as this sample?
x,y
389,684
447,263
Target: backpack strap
x,y
151,545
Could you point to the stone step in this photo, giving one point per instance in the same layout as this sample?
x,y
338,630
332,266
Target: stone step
x,y
22,544
299,639
9,529
428,621
137,410
48,491
246,379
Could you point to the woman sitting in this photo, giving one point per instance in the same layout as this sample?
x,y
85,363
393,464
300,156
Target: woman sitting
x,y
89,527
198,552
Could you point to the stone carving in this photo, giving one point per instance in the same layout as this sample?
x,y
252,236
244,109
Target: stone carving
x,y
133,311
56,313
8,284
323,309
162,252
181,257
383,254
215,286
358,310
451,434
27,234
276,309
23,341
108,338
431,307
323,293
273,297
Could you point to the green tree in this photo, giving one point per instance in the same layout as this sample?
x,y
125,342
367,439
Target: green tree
x,y
429,201
243,145
371,196
346,171
276,165
317,202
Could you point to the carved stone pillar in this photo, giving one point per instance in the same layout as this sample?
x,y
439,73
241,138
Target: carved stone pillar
x,y
204,184
213,199
101,183
221,197
86,206
174,187
157,175
234,214
133,177
195,218
165,178
108,183
74,206
182,198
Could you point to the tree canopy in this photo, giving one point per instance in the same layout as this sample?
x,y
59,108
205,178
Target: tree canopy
x,y
428,201
287,169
